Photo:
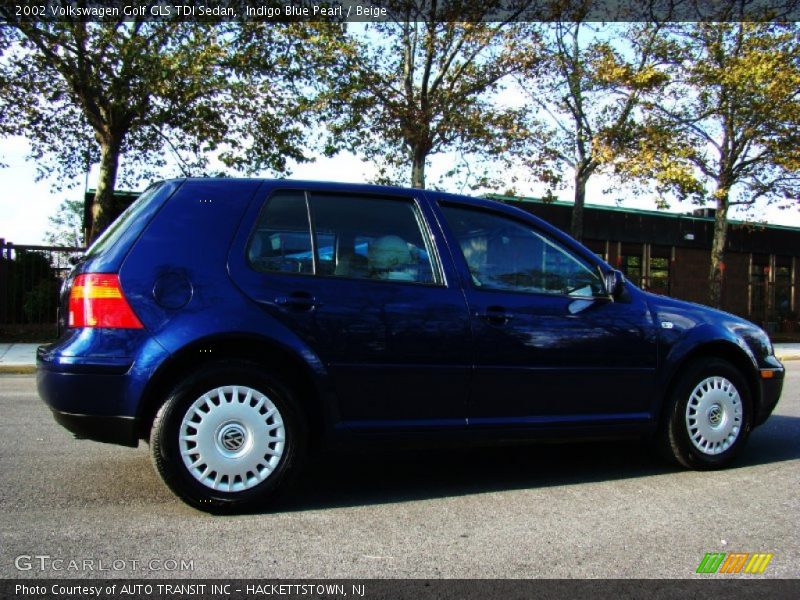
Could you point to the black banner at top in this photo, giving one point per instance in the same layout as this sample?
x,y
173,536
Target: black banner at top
x,y
282,11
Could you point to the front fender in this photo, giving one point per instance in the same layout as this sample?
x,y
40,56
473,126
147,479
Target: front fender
x,y
703,340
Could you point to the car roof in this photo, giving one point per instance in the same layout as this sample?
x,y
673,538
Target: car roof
x,y
365,188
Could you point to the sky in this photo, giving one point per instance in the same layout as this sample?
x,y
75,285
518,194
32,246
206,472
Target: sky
x,y
26,204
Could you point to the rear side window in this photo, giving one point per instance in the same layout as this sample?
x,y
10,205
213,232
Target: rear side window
x,y
371,238
281,242
131,217
353,237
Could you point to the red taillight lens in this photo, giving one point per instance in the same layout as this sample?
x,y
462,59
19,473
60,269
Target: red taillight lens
x,y
96,300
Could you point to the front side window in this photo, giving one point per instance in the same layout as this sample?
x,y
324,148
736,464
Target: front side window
x,y
504,254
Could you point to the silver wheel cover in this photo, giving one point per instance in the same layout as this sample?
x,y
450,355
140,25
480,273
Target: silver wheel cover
x,y
714,415
232,438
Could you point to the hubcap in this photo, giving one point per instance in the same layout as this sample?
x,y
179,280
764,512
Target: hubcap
x,y
232,438
714,415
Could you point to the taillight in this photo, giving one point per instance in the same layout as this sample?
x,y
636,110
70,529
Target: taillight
x,y
96,300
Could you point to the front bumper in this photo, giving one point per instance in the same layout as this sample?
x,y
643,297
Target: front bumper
x,y
770,394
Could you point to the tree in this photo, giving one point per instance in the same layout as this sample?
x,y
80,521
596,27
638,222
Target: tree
x,y
130,86
585,93
66,226
726,127
422,83
98,91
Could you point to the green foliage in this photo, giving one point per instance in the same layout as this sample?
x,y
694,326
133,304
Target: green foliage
x,y
132,93
421,84
66,226
583,98
723,128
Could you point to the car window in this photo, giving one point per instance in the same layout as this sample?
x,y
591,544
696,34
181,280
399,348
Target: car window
x,y
281,241
130,217
371,238
356,237
504,254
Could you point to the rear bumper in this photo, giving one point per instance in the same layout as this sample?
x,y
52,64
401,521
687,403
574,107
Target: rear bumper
x,y
114,430
94,393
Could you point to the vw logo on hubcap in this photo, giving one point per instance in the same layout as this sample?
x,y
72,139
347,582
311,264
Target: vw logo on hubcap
x,y
232,437
715,415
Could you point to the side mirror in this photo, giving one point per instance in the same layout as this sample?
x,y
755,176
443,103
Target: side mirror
x,y
615,283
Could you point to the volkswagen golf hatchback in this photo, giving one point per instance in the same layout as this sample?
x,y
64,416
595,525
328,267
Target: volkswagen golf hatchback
x,y
236,323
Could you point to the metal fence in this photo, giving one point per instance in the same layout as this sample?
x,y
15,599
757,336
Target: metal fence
x,y
30,280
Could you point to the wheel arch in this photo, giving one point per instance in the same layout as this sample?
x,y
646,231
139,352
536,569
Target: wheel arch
x,y
293,370
721,349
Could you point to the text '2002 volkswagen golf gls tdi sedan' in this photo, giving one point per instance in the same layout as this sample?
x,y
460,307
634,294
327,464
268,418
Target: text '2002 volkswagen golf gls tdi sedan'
x,y
233,323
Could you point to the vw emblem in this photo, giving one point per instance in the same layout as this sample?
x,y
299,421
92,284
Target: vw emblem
x,y
232,438
715,416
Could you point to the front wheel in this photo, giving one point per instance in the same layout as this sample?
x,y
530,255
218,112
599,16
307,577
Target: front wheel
x,y
709,416
228,437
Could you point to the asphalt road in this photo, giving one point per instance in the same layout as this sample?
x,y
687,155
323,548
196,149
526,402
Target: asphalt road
x,y
599,510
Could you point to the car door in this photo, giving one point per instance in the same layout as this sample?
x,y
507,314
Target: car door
x,y
358,278
550,345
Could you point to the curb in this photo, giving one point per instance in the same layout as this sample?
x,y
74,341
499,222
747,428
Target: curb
x,y
17,369
784,358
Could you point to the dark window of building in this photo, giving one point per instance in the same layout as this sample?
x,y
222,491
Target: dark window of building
x,y
783,286
659,269
596,246
630,262
759,288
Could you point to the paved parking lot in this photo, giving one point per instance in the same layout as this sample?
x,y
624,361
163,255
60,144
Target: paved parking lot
x,y
600,510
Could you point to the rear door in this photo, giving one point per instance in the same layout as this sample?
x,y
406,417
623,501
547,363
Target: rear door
x,y
358,277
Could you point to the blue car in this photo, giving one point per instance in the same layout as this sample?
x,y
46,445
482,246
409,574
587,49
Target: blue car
x,y
236,324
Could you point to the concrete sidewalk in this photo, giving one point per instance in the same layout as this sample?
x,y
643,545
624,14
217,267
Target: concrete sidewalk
x,y
18,358
21,358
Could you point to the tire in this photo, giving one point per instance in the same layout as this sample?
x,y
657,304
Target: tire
x,y
228,438
709,416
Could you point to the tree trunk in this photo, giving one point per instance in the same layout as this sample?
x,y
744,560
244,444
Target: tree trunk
x,y
102,212
576,226
418,169
717,273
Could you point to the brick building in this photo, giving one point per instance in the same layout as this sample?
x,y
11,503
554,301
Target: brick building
x,y
669,253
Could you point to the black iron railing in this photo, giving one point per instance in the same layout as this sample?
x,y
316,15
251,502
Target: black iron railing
x,y
30,280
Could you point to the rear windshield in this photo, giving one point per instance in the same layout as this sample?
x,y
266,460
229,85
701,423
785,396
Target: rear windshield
x,y
130,216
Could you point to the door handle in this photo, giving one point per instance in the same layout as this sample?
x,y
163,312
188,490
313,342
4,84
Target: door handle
x,y
298,301
496,315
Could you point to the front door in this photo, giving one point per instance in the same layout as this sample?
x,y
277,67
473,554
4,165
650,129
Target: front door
x,y
550,346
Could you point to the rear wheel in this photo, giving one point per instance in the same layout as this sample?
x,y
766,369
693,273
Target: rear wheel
x,y
709,416
228,438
